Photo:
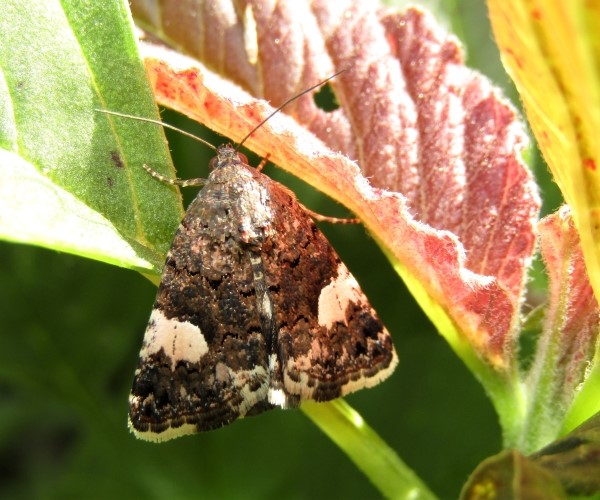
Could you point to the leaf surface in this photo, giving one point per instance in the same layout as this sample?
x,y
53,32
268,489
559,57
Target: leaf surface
x,y
551,49
448,194
54,80
511,475
575,459
565,368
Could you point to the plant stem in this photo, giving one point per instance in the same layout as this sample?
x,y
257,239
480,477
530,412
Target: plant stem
x,y
345,427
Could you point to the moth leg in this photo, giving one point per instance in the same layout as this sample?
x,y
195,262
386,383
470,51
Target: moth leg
x,y
332,220
174,182
263,162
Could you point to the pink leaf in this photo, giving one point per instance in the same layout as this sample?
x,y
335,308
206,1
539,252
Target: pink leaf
x,y
570,333
415,118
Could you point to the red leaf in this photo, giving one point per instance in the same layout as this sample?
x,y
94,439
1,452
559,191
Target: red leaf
x,y
414,117
568,340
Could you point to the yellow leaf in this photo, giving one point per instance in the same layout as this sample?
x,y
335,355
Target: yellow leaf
x,y
551,49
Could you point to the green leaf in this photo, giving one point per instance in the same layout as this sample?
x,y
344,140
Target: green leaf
x,y
570,465
55,79
575,459
511,475
61,221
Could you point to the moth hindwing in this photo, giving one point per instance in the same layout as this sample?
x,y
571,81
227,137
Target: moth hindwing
x,y
255,310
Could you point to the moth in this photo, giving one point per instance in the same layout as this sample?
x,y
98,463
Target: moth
x,y
255,310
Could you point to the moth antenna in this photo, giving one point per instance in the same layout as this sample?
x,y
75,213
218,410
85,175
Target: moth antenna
x,y
292,99
157,122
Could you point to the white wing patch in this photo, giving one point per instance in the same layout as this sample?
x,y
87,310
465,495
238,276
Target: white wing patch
x,y
181,340
336,296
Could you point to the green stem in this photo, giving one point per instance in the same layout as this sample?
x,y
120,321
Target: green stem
x,y
587,400
345,427
502,387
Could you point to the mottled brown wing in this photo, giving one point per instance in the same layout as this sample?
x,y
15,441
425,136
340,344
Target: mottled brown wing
x,y
203,361
330,341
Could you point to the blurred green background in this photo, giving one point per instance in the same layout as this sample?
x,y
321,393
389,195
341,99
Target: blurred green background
x,y
72,328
